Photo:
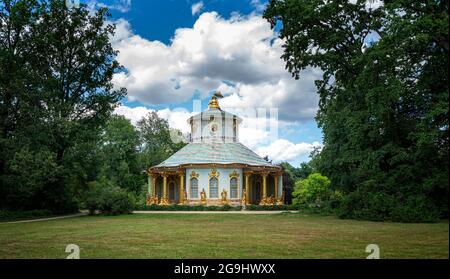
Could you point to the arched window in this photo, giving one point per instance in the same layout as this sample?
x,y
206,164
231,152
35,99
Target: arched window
x,y
194,188
233,188
213,188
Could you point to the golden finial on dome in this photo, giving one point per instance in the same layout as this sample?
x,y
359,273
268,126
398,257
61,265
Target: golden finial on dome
x,y
214,103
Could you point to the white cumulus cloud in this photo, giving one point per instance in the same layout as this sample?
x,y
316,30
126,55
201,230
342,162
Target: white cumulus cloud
x,y
177,118
122,6
196,8
283,150
239,55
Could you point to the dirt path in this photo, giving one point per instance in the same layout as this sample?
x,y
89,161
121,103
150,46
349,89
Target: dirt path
x,y
156,212
46,219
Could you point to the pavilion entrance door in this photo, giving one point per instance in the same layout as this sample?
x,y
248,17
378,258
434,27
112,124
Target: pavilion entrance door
x,y
159,192
256,192
174,193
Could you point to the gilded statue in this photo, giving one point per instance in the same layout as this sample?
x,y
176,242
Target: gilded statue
x,y
224,197
149,199
279,202
203,197
244,198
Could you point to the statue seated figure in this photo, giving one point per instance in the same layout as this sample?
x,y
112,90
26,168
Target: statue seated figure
x,y
149,199
244,198
224,197
203,197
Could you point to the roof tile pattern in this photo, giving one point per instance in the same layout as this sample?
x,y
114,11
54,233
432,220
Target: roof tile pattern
x,y
215,153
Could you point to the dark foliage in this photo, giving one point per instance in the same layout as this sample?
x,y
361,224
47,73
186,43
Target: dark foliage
x,y
56,67
383,105
109,199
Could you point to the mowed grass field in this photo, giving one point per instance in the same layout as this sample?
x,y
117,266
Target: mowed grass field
x,y
286,235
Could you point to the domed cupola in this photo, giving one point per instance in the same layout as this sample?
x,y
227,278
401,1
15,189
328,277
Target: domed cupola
x,y
214,124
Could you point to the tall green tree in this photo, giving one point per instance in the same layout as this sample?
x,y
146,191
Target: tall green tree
x,y
119,149
63,99
15,18
158,140
383,102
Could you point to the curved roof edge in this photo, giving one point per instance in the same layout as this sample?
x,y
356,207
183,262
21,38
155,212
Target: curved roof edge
x,y
207,113
217,165
223,154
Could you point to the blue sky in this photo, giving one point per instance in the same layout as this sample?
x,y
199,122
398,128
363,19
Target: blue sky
x,y
158,19
176,51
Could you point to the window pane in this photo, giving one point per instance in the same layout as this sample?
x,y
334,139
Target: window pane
x,y
194,188
233,188
213,188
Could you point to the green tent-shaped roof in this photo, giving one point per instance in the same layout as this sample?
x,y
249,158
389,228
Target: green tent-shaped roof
x,y
215,153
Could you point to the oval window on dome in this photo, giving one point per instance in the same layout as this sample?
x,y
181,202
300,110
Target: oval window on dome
x,y
214,127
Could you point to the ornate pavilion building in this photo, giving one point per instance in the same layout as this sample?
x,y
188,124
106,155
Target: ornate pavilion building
x,y
215,168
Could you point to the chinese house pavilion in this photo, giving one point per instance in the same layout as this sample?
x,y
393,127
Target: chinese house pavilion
x,y
214,168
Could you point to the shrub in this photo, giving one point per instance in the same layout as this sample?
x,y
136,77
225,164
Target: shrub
x,y
110,200
254,207
386,207
365,206
415,209
313,191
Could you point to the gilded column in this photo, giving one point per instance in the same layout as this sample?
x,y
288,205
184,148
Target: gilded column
x,y
149,184
275,178
149,196
264,197
155,195
247,187
164,200
181,175
280,186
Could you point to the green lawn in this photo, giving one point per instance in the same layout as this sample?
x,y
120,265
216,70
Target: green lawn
x,y
221,236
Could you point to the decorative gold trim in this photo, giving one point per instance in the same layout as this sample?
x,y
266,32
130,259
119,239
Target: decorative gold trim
x,y
194,174
234,174
260,171
214,173
156,170
214,103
